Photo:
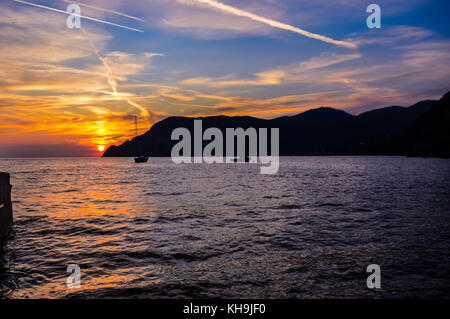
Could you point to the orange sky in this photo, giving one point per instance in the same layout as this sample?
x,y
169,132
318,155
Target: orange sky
x,y
69,91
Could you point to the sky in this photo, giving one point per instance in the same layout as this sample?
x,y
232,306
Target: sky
x,y
74,92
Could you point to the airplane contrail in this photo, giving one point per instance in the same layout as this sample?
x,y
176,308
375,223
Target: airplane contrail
x,y
102,9
77,15
113,83
111,79
276,24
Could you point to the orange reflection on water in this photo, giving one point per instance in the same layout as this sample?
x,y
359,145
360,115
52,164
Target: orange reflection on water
x,y
95,213
98,196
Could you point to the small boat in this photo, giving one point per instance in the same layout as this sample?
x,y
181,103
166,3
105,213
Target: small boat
x,y
140,158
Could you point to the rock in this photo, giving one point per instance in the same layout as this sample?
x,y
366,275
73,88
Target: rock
x,y
6,216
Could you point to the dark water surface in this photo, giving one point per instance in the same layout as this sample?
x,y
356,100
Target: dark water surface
x,y
165,230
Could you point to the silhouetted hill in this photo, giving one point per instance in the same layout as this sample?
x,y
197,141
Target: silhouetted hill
x,y
322,131
430,134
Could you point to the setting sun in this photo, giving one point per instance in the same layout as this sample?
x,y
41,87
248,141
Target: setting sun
x,y
101,148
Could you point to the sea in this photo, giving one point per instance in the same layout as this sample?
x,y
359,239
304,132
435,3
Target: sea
x,y
163,230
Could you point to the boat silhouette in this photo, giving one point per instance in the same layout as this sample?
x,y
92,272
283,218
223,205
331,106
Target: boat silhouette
x,y
140,158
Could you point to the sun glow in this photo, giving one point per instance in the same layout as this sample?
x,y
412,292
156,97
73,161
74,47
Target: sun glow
x,y
101,148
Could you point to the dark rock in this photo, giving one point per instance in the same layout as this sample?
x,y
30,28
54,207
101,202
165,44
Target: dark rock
x,y
6,216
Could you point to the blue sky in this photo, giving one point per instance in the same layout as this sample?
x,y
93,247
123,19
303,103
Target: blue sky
x,y
82,87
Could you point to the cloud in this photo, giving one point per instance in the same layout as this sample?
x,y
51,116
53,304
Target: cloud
x,y
391,35
290,73
62,85
210,25
178,97
264,78
125,67
57,87
353,82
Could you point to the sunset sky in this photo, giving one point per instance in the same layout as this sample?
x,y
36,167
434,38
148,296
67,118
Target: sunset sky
x,y
67,92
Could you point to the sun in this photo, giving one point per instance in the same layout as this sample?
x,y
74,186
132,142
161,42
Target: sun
x,y
101,148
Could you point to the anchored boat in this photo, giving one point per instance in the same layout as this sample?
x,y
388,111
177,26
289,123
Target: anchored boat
x,y
140,158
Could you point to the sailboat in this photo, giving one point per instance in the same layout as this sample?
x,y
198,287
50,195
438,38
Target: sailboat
x,y
140,158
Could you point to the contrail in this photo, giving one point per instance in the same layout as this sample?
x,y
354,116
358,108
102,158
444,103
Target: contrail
x,y
113,83
276,24
77,15
105,10
111,79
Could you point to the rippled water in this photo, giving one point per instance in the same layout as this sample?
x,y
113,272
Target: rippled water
x,y
166,230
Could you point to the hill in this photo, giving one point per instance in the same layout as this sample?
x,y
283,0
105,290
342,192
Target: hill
x,y
421,129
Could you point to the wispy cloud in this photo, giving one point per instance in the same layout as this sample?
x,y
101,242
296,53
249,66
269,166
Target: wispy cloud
x,y
295,72
71,95
57,89
391,35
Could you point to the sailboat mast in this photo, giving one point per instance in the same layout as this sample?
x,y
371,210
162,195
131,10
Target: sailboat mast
x,y
135,124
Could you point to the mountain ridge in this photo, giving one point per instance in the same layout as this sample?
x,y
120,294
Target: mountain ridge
x,y
319,131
